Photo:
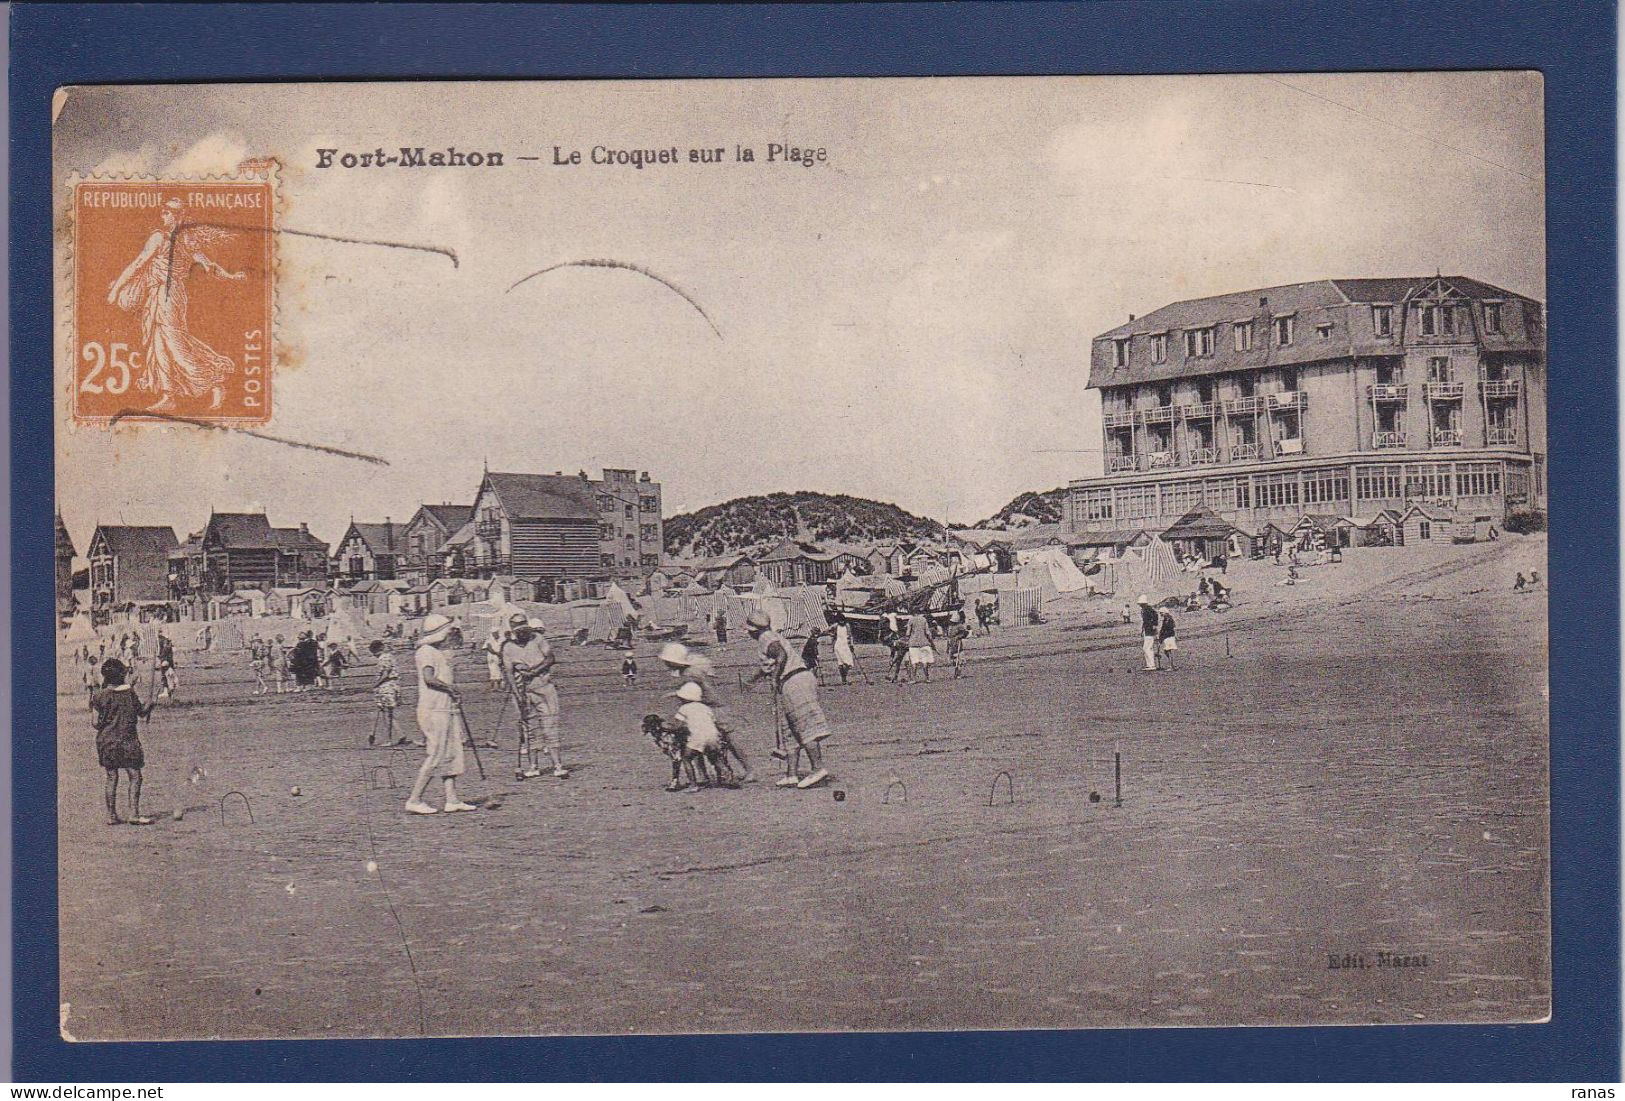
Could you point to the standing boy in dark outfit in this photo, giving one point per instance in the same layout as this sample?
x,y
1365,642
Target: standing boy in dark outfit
x,y
118,712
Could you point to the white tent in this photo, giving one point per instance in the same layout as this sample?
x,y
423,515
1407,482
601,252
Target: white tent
x,y
80,629
1052,572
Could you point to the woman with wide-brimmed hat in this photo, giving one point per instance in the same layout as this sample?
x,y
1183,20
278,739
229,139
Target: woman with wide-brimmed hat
x,y
438,717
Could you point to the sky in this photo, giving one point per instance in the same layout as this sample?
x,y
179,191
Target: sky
x,y
908,320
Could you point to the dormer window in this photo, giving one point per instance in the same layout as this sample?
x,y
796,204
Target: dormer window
x,y
1428,316
1242,332
1284,328
1324,330
1198,343
1492,317
1382,320
1120,348
1159,347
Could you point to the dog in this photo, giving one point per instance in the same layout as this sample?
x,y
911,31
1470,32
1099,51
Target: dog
x,y
672,739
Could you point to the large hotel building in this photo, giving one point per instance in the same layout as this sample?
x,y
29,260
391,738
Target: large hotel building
x,y
1340,396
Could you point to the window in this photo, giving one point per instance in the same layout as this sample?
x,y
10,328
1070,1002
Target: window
x,y
630,542
1517,487
1289,379
1242,333
1378,483
1198,343
606,531
1283,330
649,532
607,559
1478,479
1438,368
629,512
651,560
1159,347
1276,490
1323,330
1245,386
1540,475
1492,317
1136,502
1224,494
1382,320
1120,348
648,504
1165,395
1179,498
1323,487
1424,529
1428,480
1429,317
1093,504
1447,315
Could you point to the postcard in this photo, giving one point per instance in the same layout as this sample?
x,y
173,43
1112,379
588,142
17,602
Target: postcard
x,y
694,556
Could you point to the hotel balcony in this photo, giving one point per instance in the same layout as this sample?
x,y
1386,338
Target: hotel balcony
x,y
1501,437
1238,407
1289,447
1447,437
1382,440
1288,399
1200,410
1241,452
1443,391
1203,456
1398,391
1123,419
1161,414
1501,389
1117,464
1159,459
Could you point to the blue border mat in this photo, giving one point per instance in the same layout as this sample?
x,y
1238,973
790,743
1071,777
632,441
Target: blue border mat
x,y
1572,43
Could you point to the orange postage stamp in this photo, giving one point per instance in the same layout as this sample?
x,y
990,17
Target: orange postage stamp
x,y
173,310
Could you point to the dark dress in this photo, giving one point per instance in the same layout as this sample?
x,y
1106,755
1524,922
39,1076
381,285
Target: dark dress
x,y
117,711
305,662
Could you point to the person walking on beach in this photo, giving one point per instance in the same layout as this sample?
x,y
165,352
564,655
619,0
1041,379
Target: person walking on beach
x,y
797,692
168,682
922,646
845,659
687,666
1167,641
1150,622
722,625
492,649
439,716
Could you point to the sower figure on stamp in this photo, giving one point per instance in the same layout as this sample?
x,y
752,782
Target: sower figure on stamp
x,y
529,661
173,361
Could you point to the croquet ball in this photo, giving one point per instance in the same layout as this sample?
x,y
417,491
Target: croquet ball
x,y
294,791
1094,797
840,796
372,867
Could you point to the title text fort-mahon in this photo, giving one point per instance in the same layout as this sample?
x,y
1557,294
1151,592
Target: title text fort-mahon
x,y
408,156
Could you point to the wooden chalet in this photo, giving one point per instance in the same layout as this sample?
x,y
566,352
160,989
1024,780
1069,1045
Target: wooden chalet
x,y
426,534
241,550
370,552
538,526
129,569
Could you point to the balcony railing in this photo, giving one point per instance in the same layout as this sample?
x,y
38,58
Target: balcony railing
x,y
1289,399
1240,452
1444,391
1160,414
1389,439
1238,407
1501,437
1124,419
1159,458
1203,456
1505,388
1397,391
1116,464
1292,446
1447,437
1200,410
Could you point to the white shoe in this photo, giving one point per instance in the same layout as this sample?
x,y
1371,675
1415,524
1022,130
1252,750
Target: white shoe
x,y
787,781
420,808
815,779
560,773
452,808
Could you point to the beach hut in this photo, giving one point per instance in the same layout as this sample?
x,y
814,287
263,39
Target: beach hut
x,y
1335,531
1199,532
1380,529
1425,524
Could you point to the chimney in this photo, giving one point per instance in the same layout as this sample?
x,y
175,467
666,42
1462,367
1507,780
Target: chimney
x,y
1131,317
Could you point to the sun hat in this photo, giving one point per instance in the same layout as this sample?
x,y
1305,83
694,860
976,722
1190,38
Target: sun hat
x,y
674,653
690,692
435,628
758,621
518,619
1143,599
535,624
